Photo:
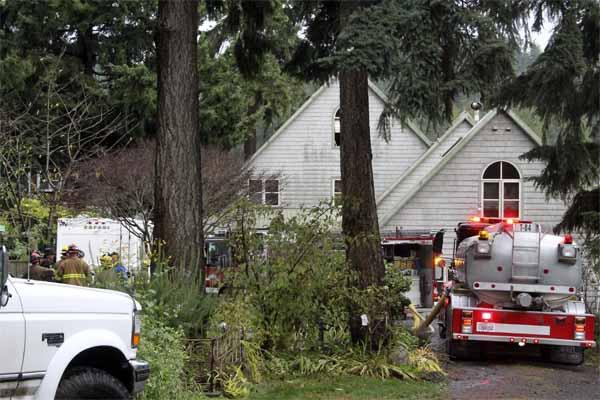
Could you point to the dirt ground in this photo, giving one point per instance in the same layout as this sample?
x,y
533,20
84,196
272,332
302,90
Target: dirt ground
x,y
508,372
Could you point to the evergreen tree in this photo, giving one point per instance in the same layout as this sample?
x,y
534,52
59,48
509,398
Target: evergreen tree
x,y
235,101
106,47
430,51
562,86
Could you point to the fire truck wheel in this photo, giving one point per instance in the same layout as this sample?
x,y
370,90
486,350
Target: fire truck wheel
x,y
570,355
461,350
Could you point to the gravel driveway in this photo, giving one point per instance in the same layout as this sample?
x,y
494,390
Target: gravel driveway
x,y
521,374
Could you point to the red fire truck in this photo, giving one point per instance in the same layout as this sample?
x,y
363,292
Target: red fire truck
x,y
514,284
218,258
419,254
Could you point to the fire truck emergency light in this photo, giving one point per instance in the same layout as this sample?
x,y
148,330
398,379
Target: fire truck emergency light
x,y
568,239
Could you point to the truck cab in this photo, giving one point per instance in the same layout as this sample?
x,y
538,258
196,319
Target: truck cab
x,y
62,341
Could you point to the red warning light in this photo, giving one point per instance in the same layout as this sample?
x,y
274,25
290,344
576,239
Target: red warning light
x,y
475,219
568,239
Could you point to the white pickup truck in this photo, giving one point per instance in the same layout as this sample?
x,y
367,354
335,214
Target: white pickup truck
x,y
67,342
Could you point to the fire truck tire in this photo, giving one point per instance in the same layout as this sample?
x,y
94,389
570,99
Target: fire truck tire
x,y
463,350
570,355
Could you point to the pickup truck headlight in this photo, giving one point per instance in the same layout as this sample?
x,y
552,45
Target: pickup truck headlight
x,y
136,329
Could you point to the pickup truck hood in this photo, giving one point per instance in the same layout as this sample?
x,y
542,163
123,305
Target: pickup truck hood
x,y
46,297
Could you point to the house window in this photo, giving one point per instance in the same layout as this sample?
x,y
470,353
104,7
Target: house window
x,y
264,191
336,191
337,128
501,189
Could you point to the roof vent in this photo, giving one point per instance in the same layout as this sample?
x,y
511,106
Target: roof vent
x,y
476,106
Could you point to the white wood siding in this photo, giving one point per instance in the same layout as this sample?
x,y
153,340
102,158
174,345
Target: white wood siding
x,y
454,193
305,156
432,158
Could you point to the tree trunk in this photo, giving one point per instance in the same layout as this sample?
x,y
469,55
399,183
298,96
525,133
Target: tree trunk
x,y
178,218
250,142
359,210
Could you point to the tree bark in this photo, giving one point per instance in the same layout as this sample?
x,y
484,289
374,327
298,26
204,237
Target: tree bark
x,y
250,142
178,218
359,211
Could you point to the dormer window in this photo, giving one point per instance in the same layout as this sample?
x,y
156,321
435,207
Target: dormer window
x,y
337,128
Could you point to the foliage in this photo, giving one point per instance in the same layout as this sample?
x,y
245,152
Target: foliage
x,y
27,225
561,86
289,294
232,107
434,52
291,286
101,45
163,347
176,299
423,359
236,385
421,362
293,277
353,362
120,184
109,48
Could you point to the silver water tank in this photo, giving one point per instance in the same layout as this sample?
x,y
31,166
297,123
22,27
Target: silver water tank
x,y
518,266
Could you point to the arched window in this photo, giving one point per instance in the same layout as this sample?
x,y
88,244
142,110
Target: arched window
x,y
501,191
337,129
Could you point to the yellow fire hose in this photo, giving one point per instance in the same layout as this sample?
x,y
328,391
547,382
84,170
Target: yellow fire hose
x,y
420,323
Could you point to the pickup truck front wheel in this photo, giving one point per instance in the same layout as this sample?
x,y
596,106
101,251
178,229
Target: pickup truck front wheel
x,y
91,383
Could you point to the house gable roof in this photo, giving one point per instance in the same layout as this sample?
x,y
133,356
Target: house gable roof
x,y
410,124
287,123
308,102
454,151
463,117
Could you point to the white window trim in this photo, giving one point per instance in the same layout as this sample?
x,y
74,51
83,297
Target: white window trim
x,y
333,145
501,191
333,180
263,193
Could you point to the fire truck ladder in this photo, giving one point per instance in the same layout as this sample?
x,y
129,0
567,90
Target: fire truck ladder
x,y
526,257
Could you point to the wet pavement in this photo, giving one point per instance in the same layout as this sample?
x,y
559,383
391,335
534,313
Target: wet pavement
x,y
508,372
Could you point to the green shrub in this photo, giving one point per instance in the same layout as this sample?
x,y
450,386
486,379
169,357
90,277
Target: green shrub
x,y
291,280
176,299
164,348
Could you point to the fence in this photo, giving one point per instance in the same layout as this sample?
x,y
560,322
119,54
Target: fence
x,y
17,268
207,357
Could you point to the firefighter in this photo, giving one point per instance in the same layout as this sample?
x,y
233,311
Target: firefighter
x,y
106,262
73,270
49,258
63,252
36,272
118,267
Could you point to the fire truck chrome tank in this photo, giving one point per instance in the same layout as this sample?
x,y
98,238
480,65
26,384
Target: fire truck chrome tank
x,y
518,266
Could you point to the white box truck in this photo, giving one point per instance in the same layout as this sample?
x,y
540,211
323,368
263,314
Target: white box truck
x,y
99,236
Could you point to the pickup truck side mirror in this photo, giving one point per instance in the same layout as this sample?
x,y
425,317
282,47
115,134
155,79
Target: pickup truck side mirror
x,y
4,295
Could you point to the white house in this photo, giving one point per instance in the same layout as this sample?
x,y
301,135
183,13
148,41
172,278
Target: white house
x,y
473,169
